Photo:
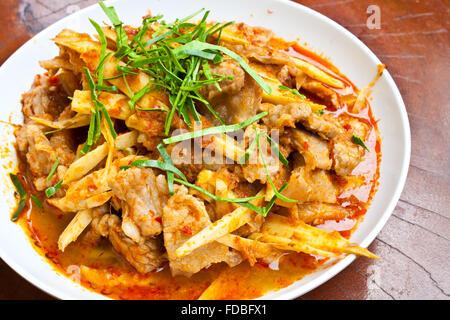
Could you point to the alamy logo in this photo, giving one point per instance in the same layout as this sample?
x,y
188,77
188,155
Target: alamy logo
x,y
374,19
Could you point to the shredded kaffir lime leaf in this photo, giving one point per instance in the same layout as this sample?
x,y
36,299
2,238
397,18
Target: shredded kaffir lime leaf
x,y
357,140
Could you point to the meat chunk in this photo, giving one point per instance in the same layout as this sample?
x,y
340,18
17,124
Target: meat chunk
x,y
141,201
347,156
44,97
324,125
256,35
63,144
254,169
309,186
144,257
287,115
41,154
230,68
317,213
235,107
35,145
326,94
150,126
184,216
313,149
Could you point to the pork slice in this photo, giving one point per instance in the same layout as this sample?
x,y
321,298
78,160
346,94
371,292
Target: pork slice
x,y
326,94
141,201
347,156
228,67
317,213
324,125
37,149
309,186
144,257
184,216
44,98
313,148
287,115
41,154
236,107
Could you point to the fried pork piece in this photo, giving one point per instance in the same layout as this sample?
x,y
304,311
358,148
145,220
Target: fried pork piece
x,y
287,115
326,94
41,153
345,153
254,168
44,98
184,216
347,156
150,125
315,213
309,186
256,35
313,148
142,200
145,256
324,125
236,106
228,67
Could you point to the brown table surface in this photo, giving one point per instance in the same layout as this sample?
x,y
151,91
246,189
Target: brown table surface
x,y
414,44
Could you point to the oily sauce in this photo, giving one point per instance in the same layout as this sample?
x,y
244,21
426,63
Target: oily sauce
x,y
99,268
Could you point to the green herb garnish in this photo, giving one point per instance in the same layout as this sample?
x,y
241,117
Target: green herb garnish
x,y
215,130
293,91
50,191
99,70
20,189
231,200
357,140
276,150
243,160
22,196
179,56
277,193
37,202
152,109
94,131
53,170
60,129
155,164
168,160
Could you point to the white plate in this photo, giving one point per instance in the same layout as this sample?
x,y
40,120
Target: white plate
x,y
288,20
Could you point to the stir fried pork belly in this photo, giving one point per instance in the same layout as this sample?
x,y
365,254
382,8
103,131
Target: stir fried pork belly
x,y
184,216
96,140
141,202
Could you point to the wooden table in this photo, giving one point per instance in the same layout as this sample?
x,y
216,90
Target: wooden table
x,y
413,43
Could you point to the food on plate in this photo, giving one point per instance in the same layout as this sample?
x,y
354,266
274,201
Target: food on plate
x,y
192,159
